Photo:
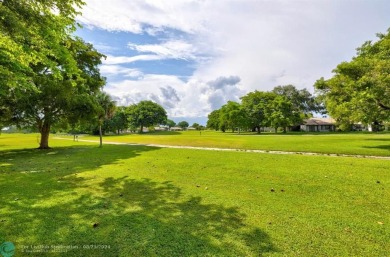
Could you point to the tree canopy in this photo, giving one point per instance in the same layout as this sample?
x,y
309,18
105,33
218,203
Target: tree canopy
x,y
256,104
359,91
33,33
145,114
49,77
183,124
232,115
284,106
55,99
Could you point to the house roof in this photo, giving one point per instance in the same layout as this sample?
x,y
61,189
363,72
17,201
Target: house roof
x,y
319,121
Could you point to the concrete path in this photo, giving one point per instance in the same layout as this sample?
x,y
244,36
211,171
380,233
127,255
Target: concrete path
x,y
233,149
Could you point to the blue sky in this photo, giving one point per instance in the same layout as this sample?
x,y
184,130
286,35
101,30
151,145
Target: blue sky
x,y
192,56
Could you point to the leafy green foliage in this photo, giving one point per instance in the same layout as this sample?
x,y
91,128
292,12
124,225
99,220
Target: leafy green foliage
x,y
213,120
56,99
183,124
232,116
256,104
170,123
32,33
196,126
145,114
281,113
48,76
284,106
105,108
359,91
301,100
119,122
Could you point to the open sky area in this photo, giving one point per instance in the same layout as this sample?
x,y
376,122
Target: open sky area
x,y
192,56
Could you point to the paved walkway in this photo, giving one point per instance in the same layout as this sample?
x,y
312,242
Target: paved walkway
x,y
233,149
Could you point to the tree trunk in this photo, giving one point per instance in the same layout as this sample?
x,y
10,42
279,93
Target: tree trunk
x,y
142,129
101,136
45,131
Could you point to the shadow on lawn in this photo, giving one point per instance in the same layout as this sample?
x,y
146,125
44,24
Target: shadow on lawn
x,y
55,207
383,147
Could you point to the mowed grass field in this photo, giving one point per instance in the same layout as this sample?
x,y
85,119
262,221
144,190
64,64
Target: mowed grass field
x,y
336,143
80,200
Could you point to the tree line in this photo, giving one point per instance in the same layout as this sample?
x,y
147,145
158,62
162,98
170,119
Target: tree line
x,y
136,117
283,107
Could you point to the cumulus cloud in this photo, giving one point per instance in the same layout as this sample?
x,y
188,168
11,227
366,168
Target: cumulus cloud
x,y
193,98
173,49
126,59
169,93
109,70
136,16
222,82
223,89
238,46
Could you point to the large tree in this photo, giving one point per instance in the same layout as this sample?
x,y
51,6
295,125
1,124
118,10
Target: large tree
x,y
213,120
359,91
57,97
233,116
119,122
145,114
183,124
255,105
170,123
280,112
45,71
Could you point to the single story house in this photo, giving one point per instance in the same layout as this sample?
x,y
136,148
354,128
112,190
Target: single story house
x,y
318,125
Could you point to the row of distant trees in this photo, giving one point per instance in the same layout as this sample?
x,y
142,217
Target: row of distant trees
x,y
283,107
134,118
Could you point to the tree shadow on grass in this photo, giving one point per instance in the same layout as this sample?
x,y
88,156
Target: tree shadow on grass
x,y
166,223
383,146
46,211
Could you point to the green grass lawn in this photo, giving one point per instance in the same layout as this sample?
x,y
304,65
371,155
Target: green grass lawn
x,y
146,201
355,143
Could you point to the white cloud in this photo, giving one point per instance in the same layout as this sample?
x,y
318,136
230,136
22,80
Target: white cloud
x,y
133,16
110,70
264,43
193,98
104,47
173,49
126,59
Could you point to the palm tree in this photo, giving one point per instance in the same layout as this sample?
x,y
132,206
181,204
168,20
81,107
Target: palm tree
x,y
105,110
